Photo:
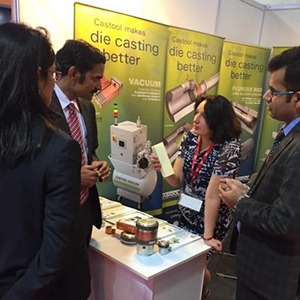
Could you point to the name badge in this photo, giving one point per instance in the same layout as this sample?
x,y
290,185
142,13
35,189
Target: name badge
x,y
190,202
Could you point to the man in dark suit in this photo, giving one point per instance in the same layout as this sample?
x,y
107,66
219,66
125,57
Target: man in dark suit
x,y
268,250
80,66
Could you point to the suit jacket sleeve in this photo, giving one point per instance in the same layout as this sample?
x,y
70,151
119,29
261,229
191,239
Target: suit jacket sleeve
x,y
274,208
94,133
89,114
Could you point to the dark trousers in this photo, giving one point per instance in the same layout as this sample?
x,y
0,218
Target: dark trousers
x,y
245,293
87,221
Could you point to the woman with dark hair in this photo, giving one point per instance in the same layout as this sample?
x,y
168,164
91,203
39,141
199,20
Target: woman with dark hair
x,y
42,250
208,152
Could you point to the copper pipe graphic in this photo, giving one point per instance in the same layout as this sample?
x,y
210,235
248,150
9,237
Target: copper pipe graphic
x,y
180,100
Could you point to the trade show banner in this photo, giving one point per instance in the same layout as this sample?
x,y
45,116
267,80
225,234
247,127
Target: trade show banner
x,y
133,89
270,127
192,69
152,77
242,76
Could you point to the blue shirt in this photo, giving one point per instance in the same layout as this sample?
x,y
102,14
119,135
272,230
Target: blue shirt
x,y
290,126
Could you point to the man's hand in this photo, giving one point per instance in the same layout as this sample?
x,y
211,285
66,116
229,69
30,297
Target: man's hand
x,y
230,190
98,170
102,168
89,175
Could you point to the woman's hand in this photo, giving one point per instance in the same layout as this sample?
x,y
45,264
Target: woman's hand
x,y
155,162
215,244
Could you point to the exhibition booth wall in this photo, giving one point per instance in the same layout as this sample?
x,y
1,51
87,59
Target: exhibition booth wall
x,y
235,20
200,42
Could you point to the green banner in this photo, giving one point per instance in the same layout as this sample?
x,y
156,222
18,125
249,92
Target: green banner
x,y
270,127
134,81
153,75
242,76
192,69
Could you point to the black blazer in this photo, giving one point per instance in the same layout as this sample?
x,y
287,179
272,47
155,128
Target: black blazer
x,y
268,250
88,111
42,251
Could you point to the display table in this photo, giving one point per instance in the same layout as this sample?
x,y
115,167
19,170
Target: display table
x,y
118,272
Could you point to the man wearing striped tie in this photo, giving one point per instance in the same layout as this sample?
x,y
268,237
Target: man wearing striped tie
x,y
268,249
79,68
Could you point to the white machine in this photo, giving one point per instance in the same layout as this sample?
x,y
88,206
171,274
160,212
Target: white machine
x,y
133,174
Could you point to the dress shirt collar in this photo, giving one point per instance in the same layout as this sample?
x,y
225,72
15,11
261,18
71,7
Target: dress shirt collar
x,y
63,99
291,125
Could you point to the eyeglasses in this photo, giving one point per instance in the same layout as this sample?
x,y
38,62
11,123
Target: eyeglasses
x,y
271,93
56,75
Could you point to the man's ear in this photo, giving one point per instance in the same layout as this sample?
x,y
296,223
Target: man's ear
x,y
297,100
73,72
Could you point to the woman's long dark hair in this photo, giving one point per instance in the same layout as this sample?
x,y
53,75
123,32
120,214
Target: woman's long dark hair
x,y
220,118
22,51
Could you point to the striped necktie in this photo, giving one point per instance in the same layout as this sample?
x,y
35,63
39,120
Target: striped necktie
x,y
76,134
277,141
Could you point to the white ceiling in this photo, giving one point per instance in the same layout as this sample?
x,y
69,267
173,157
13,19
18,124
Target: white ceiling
x,y
270,2
275,4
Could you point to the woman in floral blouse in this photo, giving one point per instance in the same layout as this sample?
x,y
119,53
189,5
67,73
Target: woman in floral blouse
x,y
208,152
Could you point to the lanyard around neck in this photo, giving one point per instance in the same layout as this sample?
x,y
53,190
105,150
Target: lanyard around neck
x,y
193,171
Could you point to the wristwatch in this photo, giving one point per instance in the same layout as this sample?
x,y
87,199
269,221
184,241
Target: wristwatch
x,y
245,195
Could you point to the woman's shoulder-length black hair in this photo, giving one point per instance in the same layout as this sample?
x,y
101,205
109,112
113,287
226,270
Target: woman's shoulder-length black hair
x,y
23,51
220,118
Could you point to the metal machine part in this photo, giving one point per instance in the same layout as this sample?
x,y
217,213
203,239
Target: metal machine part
x,y
180,100
172,141
247,149
146,236
247,116
127,238
164,247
